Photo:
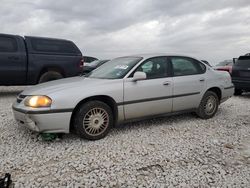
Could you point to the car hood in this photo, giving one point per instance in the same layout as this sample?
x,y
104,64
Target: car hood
x,y
63,84
88,68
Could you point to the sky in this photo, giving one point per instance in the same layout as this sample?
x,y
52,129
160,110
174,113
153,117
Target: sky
x,y
213,30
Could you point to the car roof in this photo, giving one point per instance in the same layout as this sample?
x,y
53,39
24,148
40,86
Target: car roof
x,y
149,55
46,38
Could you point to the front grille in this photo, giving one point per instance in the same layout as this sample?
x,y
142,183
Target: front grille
x,y
20,98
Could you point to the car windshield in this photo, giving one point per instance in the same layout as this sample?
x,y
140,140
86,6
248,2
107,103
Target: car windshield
x,y
115,69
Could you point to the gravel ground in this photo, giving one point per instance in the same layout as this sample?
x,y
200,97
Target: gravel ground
x,y
182,151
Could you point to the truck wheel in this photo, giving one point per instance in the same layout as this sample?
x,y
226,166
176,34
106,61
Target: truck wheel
x,y
49,76
93,120
208,106
238,92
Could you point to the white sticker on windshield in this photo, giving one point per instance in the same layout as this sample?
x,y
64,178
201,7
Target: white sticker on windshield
x,y
121,66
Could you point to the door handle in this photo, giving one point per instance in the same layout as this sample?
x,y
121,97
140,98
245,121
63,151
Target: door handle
x,y
202,79
166,83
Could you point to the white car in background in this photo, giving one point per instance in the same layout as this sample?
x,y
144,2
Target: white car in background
x,y
125,89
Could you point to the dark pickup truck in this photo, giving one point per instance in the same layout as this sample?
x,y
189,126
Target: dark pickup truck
x,y
32,60
241,74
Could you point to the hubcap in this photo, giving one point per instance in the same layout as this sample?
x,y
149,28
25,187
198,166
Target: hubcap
x,y
210,105
96,121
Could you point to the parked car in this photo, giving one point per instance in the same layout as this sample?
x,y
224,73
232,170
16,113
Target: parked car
x,y
206,62
32,60
241,74
224,66
89,59
125,89
93,65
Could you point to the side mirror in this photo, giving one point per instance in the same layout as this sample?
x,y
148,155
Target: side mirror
x,y
139,76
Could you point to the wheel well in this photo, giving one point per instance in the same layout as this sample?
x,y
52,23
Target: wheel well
x,y
103,98
217,91
46,69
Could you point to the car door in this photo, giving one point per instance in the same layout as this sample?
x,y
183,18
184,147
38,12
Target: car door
x,y
189,82
151,96
12,61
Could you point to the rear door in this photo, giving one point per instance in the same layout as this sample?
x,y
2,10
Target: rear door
x,y
189,82
151,96
12,60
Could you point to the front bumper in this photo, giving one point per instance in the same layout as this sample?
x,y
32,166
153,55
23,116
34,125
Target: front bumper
x,y
24,120
45,121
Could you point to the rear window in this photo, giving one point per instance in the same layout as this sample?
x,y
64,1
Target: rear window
x,y
54,46
8,44
243,62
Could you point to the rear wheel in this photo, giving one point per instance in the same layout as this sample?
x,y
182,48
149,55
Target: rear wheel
x,y
93,120
49,76
238,92
208,106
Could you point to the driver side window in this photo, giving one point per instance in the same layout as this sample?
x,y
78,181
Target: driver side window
x,y
154,67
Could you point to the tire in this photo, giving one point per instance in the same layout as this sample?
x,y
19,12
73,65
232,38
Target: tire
x,y
238,92
208,106
49,76
93,120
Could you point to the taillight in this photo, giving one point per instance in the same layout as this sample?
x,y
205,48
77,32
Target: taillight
x,y
81,63
225,68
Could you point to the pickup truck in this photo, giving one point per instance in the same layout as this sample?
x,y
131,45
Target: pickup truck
x,y
32,60
241,74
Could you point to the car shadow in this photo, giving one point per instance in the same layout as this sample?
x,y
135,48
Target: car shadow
x,y
10,91
121,128
138,125
245,95
157,121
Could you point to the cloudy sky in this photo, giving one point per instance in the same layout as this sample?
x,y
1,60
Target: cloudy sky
x,y
208,29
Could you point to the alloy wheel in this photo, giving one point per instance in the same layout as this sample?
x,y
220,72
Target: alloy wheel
x,y
210,105
96,121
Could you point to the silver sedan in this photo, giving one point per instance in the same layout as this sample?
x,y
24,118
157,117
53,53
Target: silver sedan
x,y
124,89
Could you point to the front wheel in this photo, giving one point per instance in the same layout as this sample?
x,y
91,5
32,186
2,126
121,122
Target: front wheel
x,y
93,120
208,106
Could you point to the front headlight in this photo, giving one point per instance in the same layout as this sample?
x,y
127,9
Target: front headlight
x,y
37,101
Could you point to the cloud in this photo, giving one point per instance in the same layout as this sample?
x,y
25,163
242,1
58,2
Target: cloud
x,y
106,29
